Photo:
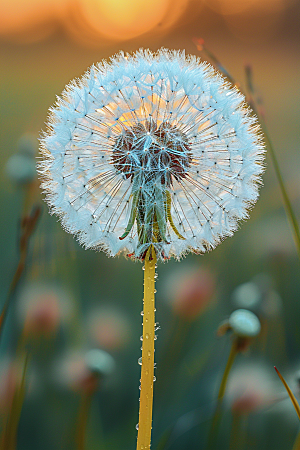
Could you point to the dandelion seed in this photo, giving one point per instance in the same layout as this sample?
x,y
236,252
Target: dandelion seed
x,y
151,149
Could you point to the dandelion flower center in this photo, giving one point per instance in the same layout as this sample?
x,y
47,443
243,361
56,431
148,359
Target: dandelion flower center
x,y
156,152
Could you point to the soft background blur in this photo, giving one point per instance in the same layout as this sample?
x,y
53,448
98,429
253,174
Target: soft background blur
x,y
71,300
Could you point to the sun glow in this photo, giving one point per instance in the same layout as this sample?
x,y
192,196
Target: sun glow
x,y
121,19
88,21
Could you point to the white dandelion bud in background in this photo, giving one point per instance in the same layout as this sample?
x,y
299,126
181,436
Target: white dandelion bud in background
x,y
20,167
244,323
151,149
100,362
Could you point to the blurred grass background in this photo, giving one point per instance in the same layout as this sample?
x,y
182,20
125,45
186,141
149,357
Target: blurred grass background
x,y
43,45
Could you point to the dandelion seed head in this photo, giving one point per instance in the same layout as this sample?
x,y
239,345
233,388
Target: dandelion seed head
x,y
151,149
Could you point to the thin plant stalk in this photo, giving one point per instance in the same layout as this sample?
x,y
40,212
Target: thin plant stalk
x,y
147,367
231,358
217,415
235,431
251,93
286,201
9,436
238,434
28,225
201,47
291,395
83,415
296,445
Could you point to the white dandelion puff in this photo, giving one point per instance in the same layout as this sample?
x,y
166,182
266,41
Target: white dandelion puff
x,y
151,149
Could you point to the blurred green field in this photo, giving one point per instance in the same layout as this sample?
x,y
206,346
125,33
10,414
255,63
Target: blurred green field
x,y
98,300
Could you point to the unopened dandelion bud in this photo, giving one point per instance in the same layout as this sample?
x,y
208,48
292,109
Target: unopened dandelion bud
x,y
100,362
244,323
20,169
28,144
247,295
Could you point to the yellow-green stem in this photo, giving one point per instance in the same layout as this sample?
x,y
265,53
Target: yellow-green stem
x,y
217,415
147,368
286,201
231,358
83,415
291,395
296,445
235,431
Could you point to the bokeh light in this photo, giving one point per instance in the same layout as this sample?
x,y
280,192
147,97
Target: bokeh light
x,y
26,21
92,21
234,7
122,20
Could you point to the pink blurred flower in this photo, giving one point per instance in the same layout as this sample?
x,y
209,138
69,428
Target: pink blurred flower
x,y
250,388
191,292
108,327
258,295
42,308
81,371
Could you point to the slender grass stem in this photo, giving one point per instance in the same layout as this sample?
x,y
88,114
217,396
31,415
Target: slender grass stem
x,y
83,415
147,368
286,201
295,403
251,94
28,225
9,436
296,445
217,415
291,395
235,432
231,358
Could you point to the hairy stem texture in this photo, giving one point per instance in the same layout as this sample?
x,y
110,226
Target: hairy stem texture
x,y
147,370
